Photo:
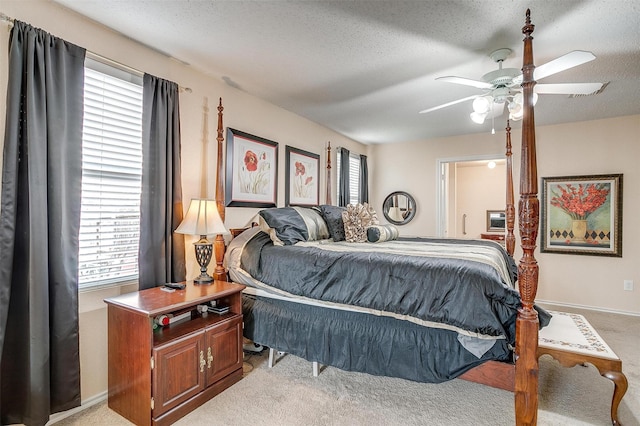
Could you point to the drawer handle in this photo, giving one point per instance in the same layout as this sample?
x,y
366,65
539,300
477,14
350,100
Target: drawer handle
x,y
209,357
202,362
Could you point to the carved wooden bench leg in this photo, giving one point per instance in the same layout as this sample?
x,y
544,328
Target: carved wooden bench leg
x,y
620,388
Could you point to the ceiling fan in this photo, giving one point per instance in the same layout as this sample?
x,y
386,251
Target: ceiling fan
x,y
502,86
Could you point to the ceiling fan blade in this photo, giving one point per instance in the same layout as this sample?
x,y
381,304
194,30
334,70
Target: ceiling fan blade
x,y
467,82
567,88
448,104
564,62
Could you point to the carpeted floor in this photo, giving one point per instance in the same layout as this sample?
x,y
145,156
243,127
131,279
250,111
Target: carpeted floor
x,y
288,394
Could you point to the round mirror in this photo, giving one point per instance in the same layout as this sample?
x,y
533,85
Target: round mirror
x,y
399,208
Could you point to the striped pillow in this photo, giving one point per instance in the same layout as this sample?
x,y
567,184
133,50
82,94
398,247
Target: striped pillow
x,y
289,225
381,233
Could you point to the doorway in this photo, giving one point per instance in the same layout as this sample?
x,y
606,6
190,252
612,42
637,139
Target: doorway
x,y
467,188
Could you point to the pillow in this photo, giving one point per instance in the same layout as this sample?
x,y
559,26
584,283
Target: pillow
x,y
289,225
380,233
357,218
332,215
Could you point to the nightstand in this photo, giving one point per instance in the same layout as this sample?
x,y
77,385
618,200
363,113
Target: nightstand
x,y
159,374
494,237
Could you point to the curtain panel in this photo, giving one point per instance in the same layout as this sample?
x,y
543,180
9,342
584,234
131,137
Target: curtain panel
x,y
363,193
161,256
39,224
344,194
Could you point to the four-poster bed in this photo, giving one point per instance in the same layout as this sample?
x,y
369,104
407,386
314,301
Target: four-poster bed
x,y
517,372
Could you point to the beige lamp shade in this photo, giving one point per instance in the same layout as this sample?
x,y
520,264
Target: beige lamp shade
x,y
202,218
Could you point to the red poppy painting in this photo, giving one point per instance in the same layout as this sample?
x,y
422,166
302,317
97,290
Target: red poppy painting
x,y
301,179
582,215
251,179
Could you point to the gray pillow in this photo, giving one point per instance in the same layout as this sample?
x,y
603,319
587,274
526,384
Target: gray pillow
x,y
332,215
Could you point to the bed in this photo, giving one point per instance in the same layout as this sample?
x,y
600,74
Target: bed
x,y
397,308
476,326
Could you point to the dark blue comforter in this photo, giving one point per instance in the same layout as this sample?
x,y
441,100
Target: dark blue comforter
x,y
448,292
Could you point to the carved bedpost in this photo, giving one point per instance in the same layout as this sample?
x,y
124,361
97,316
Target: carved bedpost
x,y
510,211
220,165
219,272
328,192
526,395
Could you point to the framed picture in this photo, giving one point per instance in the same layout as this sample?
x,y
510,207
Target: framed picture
x,y
301,177
252,170
582,215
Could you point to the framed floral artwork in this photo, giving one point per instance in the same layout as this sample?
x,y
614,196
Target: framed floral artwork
x,y
252,170
301,177
582,215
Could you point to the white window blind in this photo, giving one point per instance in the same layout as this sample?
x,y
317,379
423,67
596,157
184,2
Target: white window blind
x,y
354,176
111,175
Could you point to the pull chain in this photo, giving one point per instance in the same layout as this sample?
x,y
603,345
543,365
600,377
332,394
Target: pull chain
x,y
493,116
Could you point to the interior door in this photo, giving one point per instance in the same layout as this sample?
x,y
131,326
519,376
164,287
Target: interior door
x,y
473,188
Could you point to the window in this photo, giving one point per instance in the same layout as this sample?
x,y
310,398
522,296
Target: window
x,y
111,175
354,177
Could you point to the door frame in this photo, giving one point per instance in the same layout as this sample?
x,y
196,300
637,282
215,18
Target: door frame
x,y
442,185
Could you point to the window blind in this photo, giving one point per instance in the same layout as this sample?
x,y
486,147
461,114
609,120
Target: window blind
x,y
111,176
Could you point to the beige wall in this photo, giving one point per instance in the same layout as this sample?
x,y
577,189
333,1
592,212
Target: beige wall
x,y
411,167
592,147
241,111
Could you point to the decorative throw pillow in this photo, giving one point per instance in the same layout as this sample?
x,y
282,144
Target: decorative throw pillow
x,y
380,233
332,215
289,225
357,218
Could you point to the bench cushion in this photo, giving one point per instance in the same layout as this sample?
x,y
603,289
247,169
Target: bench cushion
x,y
573,333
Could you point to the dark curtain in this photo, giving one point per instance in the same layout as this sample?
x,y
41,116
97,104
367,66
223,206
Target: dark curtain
x,y
343,190
363,193
39,224
161,256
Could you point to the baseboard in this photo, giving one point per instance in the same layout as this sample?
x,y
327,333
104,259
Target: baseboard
x,y
588,308
96,399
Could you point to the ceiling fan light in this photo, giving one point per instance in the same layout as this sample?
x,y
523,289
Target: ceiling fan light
x,y
514,107
518,98
481,104
515,116
478,118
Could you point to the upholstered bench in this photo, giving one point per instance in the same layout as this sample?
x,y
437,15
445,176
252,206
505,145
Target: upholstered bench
x,y
571,340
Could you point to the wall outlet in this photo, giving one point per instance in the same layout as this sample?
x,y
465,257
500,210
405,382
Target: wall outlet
x,y
628,285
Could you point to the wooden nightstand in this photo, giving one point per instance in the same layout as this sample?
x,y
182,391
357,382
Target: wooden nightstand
x,y
157,376
494,237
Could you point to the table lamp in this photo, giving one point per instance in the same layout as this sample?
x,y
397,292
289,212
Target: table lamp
x,y
203,219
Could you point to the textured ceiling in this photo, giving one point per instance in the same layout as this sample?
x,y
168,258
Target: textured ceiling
x,y
365,68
